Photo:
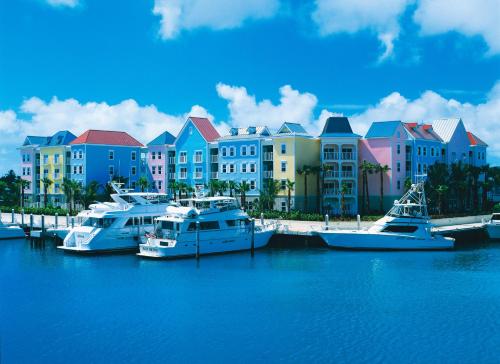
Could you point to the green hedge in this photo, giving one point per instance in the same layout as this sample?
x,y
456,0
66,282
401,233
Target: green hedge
x,y
37,210
496,208
302,216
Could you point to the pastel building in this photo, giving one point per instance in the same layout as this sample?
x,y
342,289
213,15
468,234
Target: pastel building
x,y
161,161
477,152
454,134
240,157
55,160
101,155
30,167
194,148
292,148
339,165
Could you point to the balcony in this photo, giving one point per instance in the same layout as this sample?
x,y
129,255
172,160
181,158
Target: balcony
x,y
214,175
330,156
197,175
331,174
268,174
347,174
268,157
171,160
171,176
336,192
214,158
348,156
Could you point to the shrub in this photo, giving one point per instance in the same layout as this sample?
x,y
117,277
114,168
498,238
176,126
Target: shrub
x,y
496,208
49,210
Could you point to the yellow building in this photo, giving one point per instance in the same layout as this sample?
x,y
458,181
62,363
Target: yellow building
x,y
294,149
55,157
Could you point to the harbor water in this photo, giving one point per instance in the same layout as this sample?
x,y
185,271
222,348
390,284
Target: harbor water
x,y
300,304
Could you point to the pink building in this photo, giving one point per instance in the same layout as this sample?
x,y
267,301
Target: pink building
x,y
161,161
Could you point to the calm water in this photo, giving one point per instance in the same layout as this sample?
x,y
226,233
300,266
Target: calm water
x,y
284,305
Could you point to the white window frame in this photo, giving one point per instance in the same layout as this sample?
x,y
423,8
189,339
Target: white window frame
x,y
253,150
159,154
283,148
254,183
111,170
111,155
160,170
223,151
80,154
253,168
133,155
283,163
153,169
243,168
195,155
182,157
133,170
243,150
232,168
183,173
198,172
232,151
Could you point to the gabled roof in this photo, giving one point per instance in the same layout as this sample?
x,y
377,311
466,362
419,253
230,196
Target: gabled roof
x,y
34,140
62,137
382,129
445,128
474,140
422,131
206,128
338,126
107,137
291,128
164,138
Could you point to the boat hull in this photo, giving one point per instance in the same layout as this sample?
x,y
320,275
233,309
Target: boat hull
x,y
363,240
11,232
493,230
209,246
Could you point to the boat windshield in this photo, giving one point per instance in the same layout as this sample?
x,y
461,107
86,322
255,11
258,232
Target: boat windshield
x,y
101,222
496,217
407,211
156,199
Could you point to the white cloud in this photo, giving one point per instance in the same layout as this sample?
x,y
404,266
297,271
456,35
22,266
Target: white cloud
x,y
352,16
179,15
478,17
482,119
293,106
61,3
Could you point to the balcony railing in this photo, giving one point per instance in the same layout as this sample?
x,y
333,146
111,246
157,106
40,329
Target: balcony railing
x,y
197,175
214,175
171,176
336,192
347,174
214,158
268,174
332,174
330,156
348,156
268,157
171,160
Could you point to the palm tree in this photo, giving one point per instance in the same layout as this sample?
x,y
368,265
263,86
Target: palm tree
x,y
344,188
213,186
223,185
272,189
382,169
441,190
143,183
23,185
174,186
290,185
316,170
244,187
324,169
70,189
305,171
182,188
190,190
47,182
407,184
232,186
458,180
89,193
366,168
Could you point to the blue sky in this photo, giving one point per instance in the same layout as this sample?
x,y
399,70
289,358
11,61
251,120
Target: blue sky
x,y
142,66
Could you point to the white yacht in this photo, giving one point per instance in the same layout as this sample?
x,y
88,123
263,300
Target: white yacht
x,y
117,225
405,227
11,231
493,226
206,225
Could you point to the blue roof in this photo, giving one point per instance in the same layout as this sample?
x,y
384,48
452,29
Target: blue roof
x,y
338,126
292,128
62,137
382,129
35,140
164,138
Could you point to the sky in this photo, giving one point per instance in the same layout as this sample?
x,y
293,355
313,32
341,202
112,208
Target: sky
x,y
144,66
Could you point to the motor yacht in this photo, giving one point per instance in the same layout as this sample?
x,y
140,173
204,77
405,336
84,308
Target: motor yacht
x,y
11,231
493,226
117,225
206,225
405,227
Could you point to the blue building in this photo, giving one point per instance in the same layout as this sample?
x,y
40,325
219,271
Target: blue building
x,y
195,152
239,157
99,155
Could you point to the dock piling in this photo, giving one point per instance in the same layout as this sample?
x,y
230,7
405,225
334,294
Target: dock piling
x,y
67,220
43,225
358,219
22,218
72,222
262,218
327,221
12,216
56,220
197,240
252,238
31,223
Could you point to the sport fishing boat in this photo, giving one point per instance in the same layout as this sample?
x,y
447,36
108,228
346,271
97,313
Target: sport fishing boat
x,y
206,225
11,231
405,227
117,225
493,226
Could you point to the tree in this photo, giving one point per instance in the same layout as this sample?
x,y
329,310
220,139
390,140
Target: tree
x,y
143,183
458,179
70,189
268,194
366,168
190,190
174,186
290,185
223,185
407,184
325,169
382,169
441,190
244,187
89,193
344,188
47,182
305,171
23,185
232,186
316,170
213,186
182,188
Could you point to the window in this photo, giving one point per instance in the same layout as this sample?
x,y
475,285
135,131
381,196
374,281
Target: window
x,y
153,155
400,229
209,225
432,152
243,150
159,155
80,154
75,155
231,168
198,174
283,148
56,173
183,173
159,185
183,157
243,168
75,169
283,166
252,150
133,185
198,156
399,167
224,168
45,159
425,151
482,154
56,158
419,151
159,169
45,172
232,151
24,171
425,168
111,155
133,170
28,171
80,169
252,167
133,155
111,170
399,185
153,170
283,184
283,206
252,184
399,149
224,151
57,188
419,169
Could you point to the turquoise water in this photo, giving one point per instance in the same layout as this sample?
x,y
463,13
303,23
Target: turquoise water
x,y
284,305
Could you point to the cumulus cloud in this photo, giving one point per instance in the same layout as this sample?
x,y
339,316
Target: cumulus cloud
x,y
478,17
482,119
293,106
179,15
351,16
61,3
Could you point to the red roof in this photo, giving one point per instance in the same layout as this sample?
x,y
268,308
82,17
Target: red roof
x,y
107,137
421,131
411,125
206,128
474,140
427,127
